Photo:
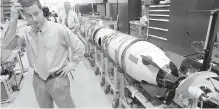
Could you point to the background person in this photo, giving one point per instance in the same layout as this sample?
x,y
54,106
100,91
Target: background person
x,y
70,19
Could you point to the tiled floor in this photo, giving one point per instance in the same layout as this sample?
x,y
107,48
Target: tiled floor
x,y
85,90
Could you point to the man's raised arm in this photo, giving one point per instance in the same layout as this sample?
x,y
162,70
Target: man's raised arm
x,y
11,39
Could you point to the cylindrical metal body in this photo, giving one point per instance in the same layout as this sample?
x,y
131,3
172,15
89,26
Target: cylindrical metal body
x,y
103,32
140,59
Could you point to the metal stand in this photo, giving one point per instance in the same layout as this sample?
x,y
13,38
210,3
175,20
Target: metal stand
x,y
111,83
9,83
18,80
115,103
22,71
98,67
91,58
88,48
105,77
103,69
8,90
122,99
209,42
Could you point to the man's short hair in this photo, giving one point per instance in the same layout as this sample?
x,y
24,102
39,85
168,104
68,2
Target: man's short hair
x,y
67,2
28,3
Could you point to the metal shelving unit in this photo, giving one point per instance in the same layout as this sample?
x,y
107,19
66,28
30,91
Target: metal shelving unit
x,y
6,8
158,21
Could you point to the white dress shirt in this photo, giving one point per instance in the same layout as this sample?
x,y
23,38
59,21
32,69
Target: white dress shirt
x,y
72,19
58,39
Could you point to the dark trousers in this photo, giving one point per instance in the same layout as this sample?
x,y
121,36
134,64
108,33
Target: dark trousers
x,y
56,89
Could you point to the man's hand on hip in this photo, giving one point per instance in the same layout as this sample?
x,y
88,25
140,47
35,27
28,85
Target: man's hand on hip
x,y
67,69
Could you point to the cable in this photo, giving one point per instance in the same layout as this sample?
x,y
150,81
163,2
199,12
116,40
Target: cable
x,y
214,85
197,49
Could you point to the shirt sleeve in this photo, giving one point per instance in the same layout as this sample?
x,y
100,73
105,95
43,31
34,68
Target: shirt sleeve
x,y
71,40
76,18
13,39
72,20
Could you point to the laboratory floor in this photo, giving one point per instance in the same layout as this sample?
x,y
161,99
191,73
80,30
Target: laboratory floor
x,y
85,89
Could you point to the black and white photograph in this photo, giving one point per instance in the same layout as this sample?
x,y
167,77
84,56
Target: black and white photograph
x,y
109,54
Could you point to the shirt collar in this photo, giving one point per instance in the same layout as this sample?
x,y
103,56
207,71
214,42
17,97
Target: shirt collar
x,y
43,29
45,26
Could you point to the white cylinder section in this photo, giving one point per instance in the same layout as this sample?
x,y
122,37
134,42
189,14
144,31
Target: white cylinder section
x,y
118,45
114,45
103,32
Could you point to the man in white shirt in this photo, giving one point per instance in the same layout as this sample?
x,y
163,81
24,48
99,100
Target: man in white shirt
x,y
71,20
69,17
47,45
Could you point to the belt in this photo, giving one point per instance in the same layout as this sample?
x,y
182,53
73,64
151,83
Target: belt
x,y
51,76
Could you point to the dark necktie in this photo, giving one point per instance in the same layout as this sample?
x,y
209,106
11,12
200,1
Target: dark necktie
x,y
66,19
